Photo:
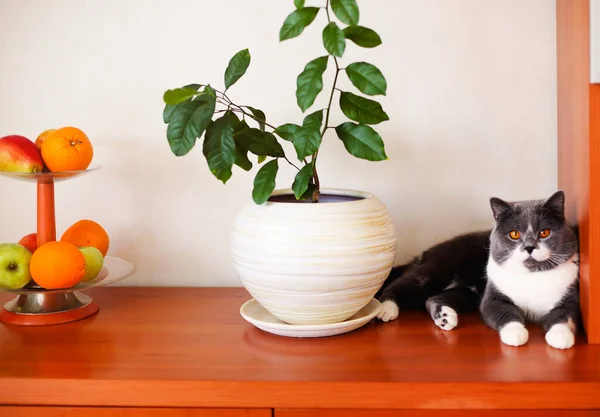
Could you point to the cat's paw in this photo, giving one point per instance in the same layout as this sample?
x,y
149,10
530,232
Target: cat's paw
x,y
389,311
446,318
560,336
514,334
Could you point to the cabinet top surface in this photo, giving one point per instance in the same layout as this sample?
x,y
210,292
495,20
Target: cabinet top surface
x,y
196,335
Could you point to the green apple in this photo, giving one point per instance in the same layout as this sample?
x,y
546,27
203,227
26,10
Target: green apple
x,y
93,262
14,266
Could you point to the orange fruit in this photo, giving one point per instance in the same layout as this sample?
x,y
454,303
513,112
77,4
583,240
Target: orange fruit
x,y
87,233
40,139
57,265
66,149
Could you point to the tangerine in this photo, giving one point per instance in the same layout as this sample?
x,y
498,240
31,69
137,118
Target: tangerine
x,y
66,149
87,233
40,139
57,265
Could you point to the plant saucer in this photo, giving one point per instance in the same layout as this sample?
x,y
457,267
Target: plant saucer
x,y
257,315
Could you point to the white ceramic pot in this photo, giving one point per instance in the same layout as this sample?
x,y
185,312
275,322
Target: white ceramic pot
x,y
310,263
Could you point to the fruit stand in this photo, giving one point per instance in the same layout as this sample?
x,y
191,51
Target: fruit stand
x,y
48,275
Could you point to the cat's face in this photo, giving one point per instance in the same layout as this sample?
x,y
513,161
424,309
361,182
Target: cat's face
x,y
531,235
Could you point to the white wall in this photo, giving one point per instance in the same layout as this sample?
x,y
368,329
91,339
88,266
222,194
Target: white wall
x,y
471,98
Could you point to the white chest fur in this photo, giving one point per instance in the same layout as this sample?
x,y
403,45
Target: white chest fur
x,y
536,293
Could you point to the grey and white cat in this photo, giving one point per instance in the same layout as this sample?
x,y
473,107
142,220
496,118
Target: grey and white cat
x,y
524,270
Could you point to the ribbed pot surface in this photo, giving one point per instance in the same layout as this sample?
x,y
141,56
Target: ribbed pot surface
x,y
314,263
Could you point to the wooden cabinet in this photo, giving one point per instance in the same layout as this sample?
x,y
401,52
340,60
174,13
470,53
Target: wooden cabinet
x,y
579,148
187,352
198,412
127,412
432,413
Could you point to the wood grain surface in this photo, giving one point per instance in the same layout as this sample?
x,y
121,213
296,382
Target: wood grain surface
x,y
592,272
579,148
189,347
432,413
24,411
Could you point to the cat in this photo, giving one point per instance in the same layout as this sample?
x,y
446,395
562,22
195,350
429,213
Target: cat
x,y
524,270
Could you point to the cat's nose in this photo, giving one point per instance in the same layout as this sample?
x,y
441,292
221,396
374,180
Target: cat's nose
x,y
529,249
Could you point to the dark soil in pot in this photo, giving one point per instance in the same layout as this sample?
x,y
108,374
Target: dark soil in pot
x,y
323,198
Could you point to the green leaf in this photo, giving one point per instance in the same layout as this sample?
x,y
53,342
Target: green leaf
x,y
219,146
179,95
362,36
313,120
241,158
287,131
299,4
309,192
361,141
362,110
302,179
346,11
241,154
259,143
241,125
238,64
188,120
334,40
260,117
261,158
308,138
367,78
168,110
264,182
296,21
310,82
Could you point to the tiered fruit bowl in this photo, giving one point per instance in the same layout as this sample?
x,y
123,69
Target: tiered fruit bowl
x,y
34,305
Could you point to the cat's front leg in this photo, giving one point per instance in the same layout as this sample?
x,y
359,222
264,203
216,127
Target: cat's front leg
x,y
389,311
561,335
561,322
404,293
500,313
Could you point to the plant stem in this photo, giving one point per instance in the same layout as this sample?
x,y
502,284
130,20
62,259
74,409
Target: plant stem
x,y
290,162
252,116
240,109
315,196
337,72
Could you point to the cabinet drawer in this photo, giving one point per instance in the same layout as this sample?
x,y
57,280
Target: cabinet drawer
x,y
434,413
42,411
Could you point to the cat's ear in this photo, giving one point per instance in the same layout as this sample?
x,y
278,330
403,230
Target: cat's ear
x,y
556,203
499,207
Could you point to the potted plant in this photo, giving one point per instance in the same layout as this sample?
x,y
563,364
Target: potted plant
x,y
309,255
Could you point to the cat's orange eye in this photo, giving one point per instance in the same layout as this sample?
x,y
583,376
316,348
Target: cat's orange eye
x,y
514,234
545,233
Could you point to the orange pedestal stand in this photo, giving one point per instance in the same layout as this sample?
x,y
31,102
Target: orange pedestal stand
x,y
46,220
36,306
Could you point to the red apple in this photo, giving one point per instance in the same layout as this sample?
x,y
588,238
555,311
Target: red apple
x,y
19,154
29,241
